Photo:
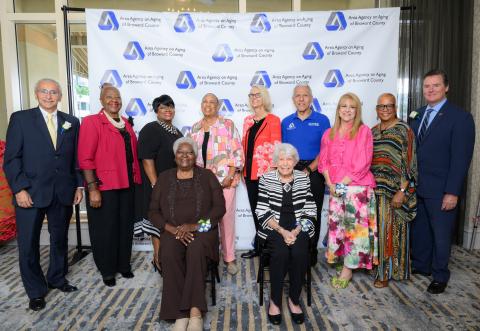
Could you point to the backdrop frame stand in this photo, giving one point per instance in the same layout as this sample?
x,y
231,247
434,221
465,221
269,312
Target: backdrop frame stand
x,y
82,250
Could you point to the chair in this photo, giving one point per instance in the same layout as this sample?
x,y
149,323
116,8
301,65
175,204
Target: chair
x,y
264,261
212,267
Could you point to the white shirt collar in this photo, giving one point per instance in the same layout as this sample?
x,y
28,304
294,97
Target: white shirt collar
x,y
45,113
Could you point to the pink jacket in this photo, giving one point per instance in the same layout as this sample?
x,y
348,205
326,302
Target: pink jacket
x,y
101,148
348,157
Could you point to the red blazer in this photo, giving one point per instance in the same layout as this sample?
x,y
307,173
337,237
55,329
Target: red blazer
x,y
269,134
101,148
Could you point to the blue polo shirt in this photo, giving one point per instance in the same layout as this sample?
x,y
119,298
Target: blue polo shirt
x,y
305,135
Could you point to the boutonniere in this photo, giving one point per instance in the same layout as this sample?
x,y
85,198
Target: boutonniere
x,y
66,125
413,114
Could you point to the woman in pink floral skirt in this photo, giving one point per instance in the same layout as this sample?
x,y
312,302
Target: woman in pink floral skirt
x,y
345,158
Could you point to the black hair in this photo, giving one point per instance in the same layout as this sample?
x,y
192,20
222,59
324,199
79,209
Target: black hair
x,y
438,72
163,100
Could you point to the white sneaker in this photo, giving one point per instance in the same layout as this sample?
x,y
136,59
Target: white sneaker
x,y
180,324
195,324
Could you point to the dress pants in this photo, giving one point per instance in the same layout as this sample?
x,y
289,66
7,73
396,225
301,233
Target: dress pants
x,y
431,238
292,259
252,191
227,226
29,224
184,273
317,186
111,231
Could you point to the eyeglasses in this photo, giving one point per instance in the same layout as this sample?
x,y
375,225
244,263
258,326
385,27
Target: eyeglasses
x,y
390,106
254,95
49,92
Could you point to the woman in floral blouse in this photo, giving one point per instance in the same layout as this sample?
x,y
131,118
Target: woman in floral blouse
x,y
261,131
221,152
345,159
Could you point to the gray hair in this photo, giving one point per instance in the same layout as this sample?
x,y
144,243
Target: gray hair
x,y
185,140
303,85
48,80
287,149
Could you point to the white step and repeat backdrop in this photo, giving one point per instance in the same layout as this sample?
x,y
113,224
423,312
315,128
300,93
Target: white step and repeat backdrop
x,y
185,55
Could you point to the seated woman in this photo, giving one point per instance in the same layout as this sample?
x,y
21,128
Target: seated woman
x,y
286,212
186,205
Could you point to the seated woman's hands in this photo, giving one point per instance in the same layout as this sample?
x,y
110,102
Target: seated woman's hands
x,y
289,236
184,232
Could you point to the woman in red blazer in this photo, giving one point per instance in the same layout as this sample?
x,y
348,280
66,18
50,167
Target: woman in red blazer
x,y
261,131
107,154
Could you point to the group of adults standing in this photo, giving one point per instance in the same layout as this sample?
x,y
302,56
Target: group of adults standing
x,y
393,190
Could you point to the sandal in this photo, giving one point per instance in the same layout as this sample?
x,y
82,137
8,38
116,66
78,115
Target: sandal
x,y
340,283
380,283
338,268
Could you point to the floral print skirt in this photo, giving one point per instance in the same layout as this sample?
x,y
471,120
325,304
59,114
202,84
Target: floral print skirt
x,y
352,229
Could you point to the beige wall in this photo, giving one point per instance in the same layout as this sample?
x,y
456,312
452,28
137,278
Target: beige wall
x,y
473,188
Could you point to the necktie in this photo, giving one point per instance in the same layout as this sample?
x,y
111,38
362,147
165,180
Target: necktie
x,y
424,126
51,129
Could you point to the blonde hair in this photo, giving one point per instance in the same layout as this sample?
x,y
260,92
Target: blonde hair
x,y
357,121
267,102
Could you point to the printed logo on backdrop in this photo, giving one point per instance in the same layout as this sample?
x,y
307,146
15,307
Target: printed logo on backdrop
x,y
334,78
111,77
135,107
347,50
108,21
226,108
185,80
184,23
261,78
336,22
315,106
186,130
134,51
260,23
313,51
223,53
365,77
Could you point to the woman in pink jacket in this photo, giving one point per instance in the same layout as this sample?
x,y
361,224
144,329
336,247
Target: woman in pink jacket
x,y
345,158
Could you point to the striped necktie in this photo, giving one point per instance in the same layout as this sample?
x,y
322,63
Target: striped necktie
x,y
51,129
424,126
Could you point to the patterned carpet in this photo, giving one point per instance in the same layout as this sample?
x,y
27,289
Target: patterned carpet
x,y
134,304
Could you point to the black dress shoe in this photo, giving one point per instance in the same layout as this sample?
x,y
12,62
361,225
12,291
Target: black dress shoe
x,y
296,318
127,274
275,319
418,272
436,287
110,282
67,288
37,304
250,254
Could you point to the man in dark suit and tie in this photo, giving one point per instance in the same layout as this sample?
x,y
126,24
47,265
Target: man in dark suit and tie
x,y
445,138
41,169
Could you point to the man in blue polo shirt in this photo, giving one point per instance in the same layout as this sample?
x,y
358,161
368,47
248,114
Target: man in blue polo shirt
x,y
304,130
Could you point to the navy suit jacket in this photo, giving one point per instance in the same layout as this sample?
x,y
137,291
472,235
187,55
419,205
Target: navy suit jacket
x,y
445,152
32,163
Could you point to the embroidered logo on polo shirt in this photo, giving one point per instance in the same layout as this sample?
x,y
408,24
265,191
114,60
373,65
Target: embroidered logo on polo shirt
x,y
313,124
291,126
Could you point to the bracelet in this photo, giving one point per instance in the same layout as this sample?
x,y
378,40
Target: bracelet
x,y
308,169
94,182
204,225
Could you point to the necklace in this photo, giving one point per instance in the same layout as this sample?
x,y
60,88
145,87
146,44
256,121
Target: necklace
x,y
287,187
169,128
119,125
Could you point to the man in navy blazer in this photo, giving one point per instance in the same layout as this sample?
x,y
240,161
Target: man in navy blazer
x,y
445,138
41,168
